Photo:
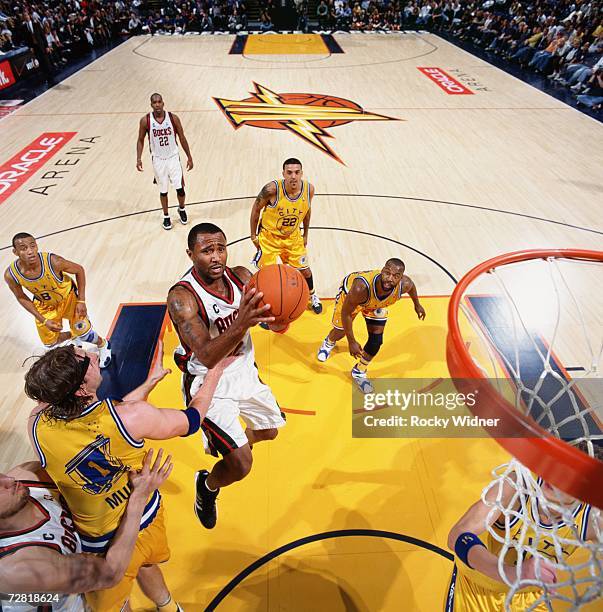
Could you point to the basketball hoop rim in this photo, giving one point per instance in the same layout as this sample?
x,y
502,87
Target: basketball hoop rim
x,y
556,461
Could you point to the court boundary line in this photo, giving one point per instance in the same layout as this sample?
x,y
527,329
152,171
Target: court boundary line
x,y
328,195
415,35
326,535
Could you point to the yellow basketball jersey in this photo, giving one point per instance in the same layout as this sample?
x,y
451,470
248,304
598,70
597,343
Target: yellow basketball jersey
x,y
89,458
544,543
286,214
49,289
369,278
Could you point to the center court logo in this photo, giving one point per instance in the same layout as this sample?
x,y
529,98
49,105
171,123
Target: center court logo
x,y
306,115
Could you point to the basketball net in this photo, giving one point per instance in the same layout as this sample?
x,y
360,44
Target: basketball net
x,y
534,523
542,305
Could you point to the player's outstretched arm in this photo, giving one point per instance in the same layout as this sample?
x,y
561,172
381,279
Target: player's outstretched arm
x,y
145,421
356,296
265,197
142,132
60,265
183,141
194,332
39,569
412,292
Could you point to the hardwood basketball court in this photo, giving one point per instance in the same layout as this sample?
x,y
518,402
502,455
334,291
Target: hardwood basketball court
x,y
406,166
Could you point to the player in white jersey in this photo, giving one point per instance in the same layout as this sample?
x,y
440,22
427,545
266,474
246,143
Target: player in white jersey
x,y
41,560
212,313
162,129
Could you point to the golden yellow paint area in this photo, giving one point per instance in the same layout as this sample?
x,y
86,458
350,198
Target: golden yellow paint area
x,y
285,44
315,478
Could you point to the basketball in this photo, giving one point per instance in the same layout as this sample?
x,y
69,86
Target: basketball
x,y
284,288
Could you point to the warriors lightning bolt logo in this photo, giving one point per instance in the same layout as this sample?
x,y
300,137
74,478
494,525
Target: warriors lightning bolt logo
x,y
306,115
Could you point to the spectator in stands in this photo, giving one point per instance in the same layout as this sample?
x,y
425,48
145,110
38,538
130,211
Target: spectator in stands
x,y
593,97
265,21
32,36
206,22
572,58
580,77
524,54
542,59
134,25
5,43
6,33
302,15
55,47
424,18
322,13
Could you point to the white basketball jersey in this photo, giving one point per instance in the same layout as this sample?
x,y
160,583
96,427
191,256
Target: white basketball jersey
x,y
218,313
162,137
55,531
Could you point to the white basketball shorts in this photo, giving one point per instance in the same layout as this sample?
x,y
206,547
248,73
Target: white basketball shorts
x,y
168,171
242,394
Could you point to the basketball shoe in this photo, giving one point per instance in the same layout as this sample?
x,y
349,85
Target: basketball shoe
x,y
205,501
104,354
324,352
183,216
167,223
361,380
315,304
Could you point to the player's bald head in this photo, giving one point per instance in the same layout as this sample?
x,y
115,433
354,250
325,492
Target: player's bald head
x,y
395,262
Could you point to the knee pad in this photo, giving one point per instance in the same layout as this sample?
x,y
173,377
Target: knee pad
x,y
373,344
163,195
180,192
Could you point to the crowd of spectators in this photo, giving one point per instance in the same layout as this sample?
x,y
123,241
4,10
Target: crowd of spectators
x,y
58,29
560,39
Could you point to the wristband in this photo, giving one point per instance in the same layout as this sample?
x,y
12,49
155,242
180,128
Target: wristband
x,y
81,301
194,421
464,543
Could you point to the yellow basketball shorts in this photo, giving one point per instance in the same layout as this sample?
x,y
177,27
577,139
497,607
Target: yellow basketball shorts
x,y
377,316
151,548
64,310
464,595
290,249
